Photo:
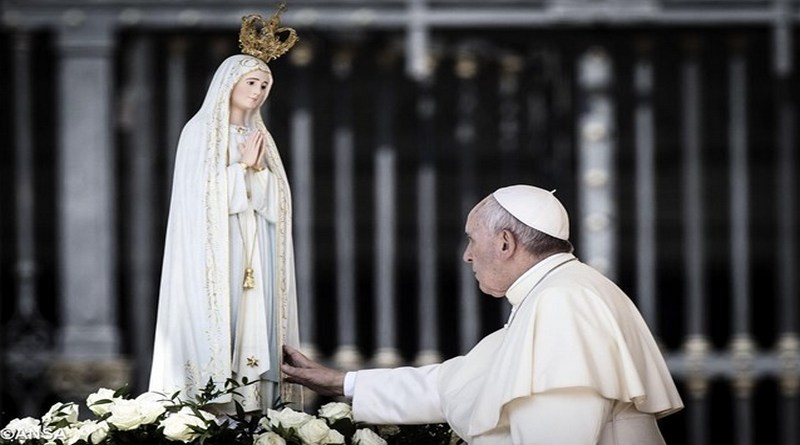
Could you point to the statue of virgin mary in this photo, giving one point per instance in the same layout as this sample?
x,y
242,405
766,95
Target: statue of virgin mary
x,y
227,298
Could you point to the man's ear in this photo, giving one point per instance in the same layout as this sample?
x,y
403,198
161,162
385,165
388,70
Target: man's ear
x,y
508,243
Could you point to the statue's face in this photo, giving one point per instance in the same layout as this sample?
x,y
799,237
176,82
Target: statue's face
x,y
251,91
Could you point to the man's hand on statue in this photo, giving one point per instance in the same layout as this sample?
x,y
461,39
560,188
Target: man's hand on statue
x,y
304,371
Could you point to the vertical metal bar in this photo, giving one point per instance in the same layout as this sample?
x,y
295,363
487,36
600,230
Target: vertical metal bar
x,y
596,149
466,71
742,346
694,246
176,103
644,127
417,37
786,188
698,420
696,344
739,194
782,37
302,136
427,251
743,420
140,230
387,353
347,355
789,414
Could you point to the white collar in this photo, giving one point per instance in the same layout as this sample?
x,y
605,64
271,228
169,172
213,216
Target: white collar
x,y
523,285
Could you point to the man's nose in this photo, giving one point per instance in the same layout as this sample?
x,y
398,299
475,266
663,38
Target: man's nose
x,y
466,256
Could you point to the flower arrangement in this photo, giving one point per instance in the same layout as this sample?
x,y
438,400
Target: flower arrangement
x,y
158,419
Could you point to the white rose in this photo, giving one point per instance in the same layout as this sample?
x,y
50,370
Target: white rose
x,y
125,414
268,438
151,405
177,425
73,434
99,401
150,412
155,397
98,431
131,414
61,411
366,436
83,431
26,424
287,418
313,431
335,411
334,437
22,428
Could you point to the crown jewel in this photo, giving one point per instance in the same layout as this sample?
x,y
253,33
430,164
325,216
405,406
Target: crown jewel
x,y
262,39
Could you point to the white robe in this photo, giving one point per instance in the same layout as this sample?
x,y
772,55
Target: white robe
x,y
576,364
253,210
200,336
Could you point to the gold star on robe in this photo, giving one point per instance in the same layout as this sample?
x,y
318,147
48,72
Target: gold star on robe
x,y
252,362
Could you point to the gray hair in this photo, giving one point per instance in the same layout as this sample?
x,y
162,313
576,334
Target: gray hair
x,y
497,219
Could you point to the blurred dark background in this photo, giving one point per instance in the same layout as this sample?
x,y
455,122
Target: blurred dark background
x,y
667,128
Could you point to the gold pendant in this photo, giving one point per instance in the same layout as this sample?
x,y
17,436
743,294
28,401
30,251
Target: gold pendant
x,y
249,279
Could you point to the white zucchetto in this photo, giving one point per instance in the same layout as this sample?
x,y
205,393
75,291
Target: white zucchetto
x,y
536,208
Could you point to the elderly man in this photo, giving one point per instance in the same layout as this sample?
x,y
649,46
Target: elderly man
x,y
574,364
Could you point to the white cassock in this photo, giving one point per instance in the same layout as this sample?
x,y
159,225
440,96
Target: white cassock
x,y
575,364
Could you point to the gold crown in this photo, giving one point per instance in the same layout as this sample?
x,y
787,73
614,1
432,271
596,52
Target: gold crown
x,y
262,39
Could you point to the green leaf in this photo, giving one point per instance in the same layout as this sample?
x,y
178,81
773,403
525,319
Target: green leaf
x,y
240,413
123,392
